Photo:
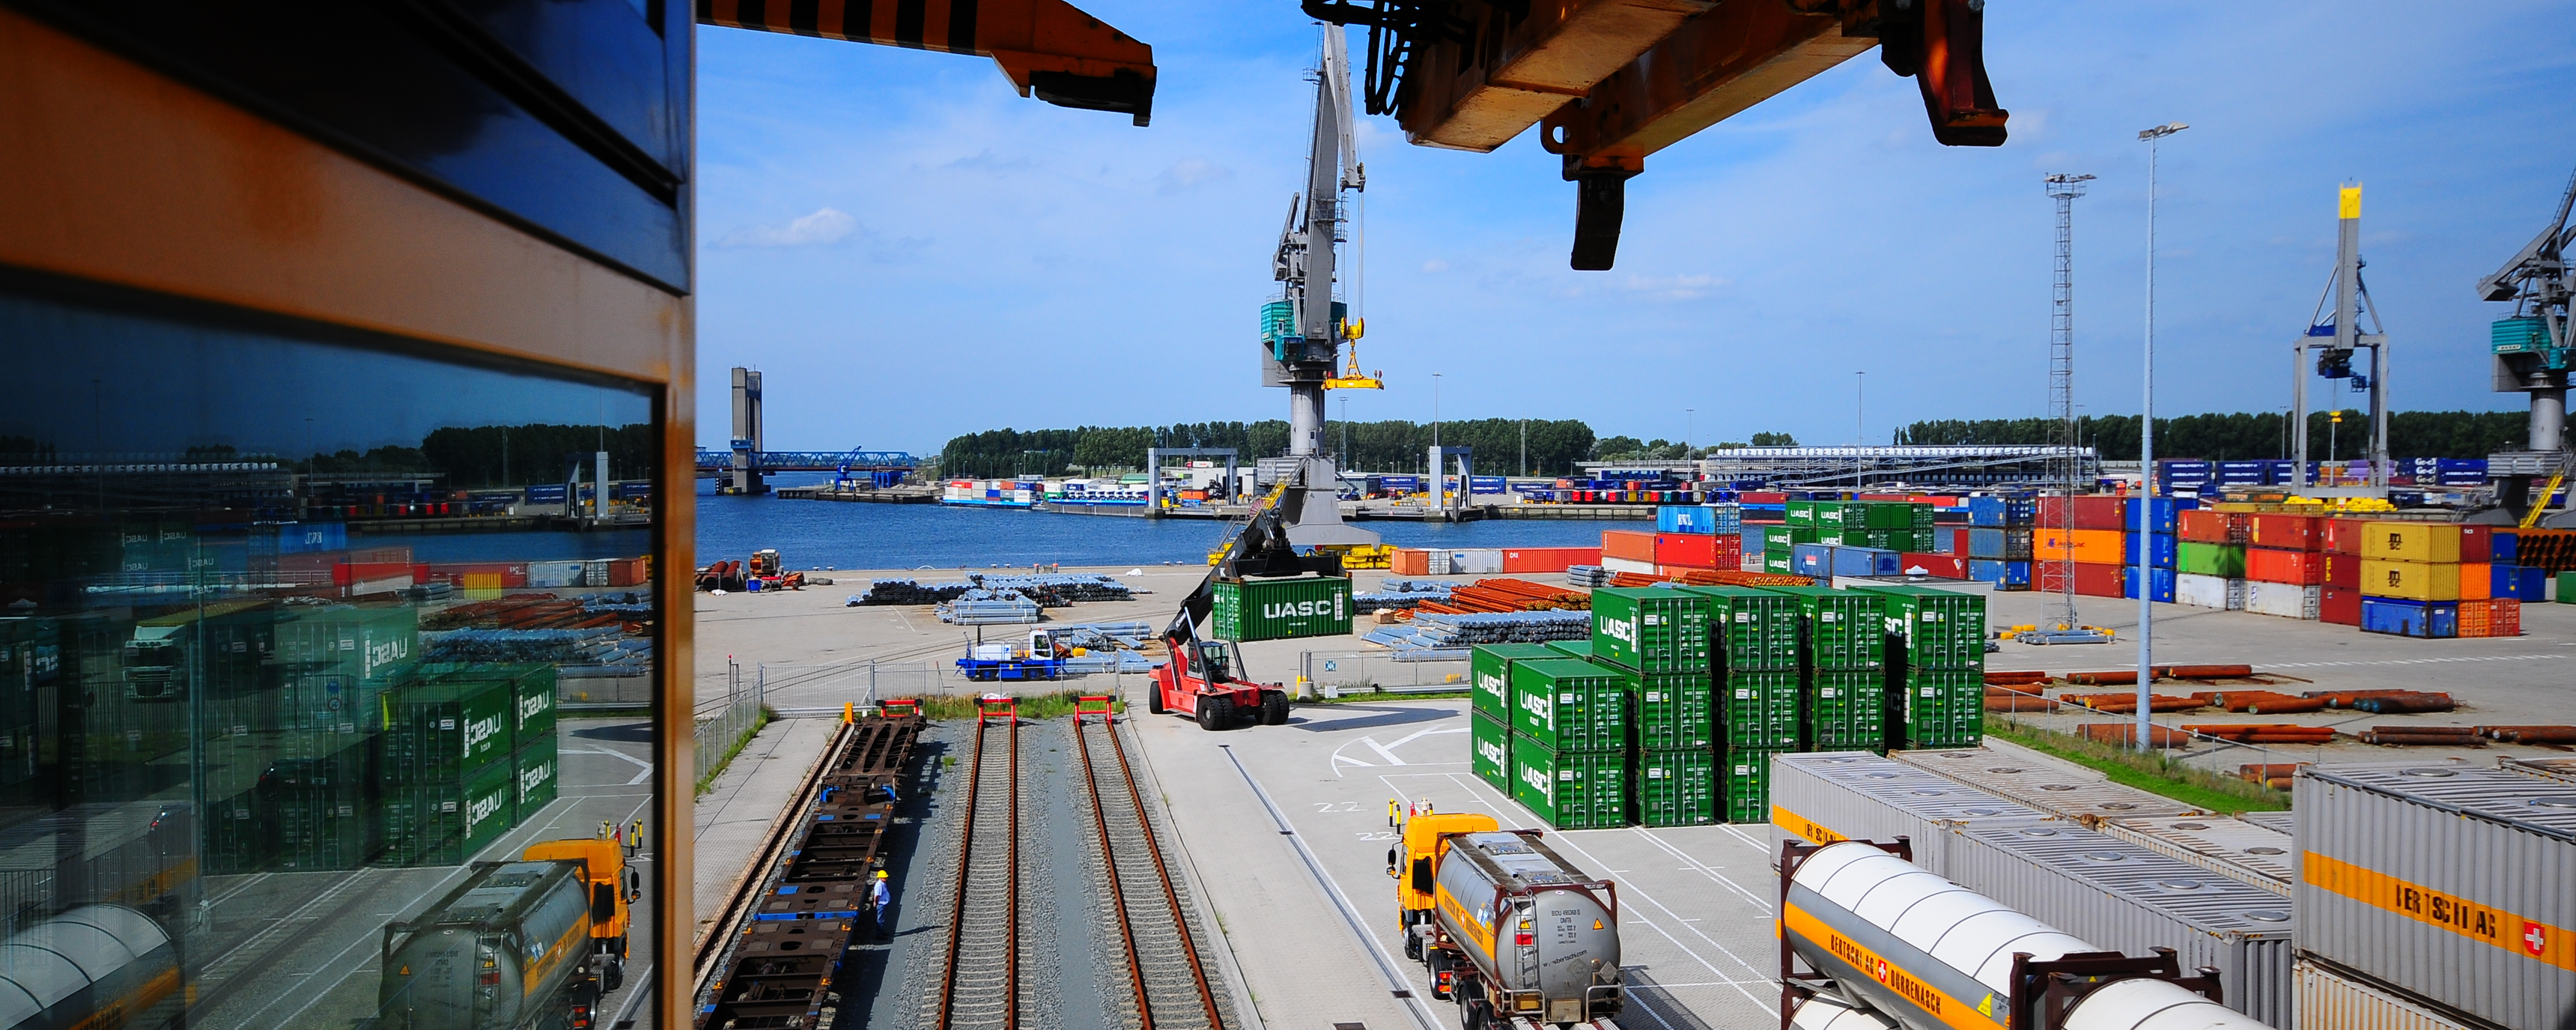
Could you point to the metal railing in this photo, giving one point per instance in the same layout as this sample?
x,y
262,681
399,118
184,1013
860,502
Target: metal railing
x,y
723,729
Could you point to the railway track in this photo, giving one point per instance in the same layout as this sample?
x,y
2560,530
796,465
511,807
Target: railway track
x,y
1164,968
979,983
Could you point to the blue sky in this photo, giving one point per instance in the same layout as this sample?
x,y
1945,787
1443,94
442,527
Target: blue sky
x,y
911,251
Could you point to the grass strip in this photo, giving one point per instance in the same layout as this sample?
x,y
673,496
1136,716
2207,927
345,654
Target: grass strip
x,y
707,780
1032,706
2155,772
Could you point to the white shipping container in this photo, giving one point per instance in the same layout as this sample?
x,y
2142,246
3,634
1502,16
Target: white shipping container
x,y
1477,561
2287,600
554,573
2450,882
2058,787
1625,565
1435,563
1826,796
2217,592
2126,898
2285,820
2257,855
2330,999
2555,768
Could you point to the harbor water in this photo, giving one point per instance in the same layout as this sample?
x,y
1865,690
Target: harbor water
x,y
826,534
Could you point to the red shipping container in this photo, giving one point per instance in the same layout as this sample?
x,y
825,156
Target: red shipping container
x,y
1762,497
2339,606
2286,532
1898,498
1938,566
2341,536
1550,559
2092,579
1632,545
1409,561
2342,570
2092,511
2477,543
350,573
2203,526
2273,565
1698,550
2504,617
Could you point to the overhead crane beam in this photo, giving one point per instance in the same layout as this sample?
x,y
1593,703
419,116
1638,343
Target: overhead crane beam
x,y
1049,49
1611,81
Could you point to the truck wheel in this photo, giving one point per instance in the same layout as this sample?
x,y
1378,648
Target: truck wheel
x,y
1216,712
613,978
1274,708
1413,946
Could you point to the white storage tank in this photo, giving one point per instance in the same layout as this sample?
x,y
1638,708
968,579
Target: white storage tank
x,y
1827,796
2128,898
2452,882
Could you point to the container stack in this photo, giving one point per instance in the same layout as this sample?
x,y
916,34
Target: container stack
x,y
2092,553
2412,581
1843,681
1489,669
2285,564
1999,541
2150,534
1936,661
1656,641
2397,934
1754,644
1697,536
2209,559
1570,754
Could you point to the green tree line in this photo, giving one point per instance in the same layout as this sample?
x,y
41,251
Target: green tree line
x,y
2245,436
1554,445
497,456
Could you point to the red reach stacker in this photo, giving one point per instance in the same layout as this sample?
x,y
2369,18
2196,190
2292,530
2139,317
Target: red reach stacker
x,y
1205,679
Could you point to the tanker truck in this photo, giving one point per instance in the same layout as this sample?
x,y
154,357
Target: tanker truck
x,y
1505,927
1885,944
529,944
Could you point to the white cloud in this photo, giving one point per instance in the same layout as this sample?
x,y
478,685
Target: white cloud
x,y
1676,287
1189,174
1435,266
825,226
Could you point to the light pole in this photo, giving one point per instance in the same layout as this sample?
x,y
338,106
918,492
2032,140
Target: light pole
x,y
2147,458
1860,381
1435,409
1690,428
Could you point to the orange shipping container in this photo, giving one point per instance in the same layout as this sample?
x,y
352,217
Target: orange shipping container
x,y
2273,565
1409,561
2100,546
1628,544
1549,559
2475,582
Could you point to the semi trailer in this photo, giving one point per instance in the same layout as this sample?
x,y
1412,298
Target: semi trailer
x,y
522,945
1505,927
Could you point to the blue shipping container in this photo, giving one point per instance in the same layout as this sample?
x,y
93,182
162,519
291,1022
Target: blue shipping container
x,y
2163,581
307,537
2166,509
1811,559
2002,511
1484,484
2503,548
2516,582
2005,575
1698,518
1753,537
2404,618
1867,561
1400,482
2162,550
1999,544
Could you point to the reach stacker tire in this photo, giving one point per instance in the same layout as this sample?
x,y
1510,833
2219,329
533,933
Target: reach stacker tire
x,y
1154,698
1274,708
1216,712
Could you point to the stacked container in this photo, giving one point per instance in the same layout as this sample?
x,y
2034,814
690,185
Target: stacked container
x,y
1489,676
1755,643
1570,754
2284,564
1656,640
1936,661
450,783
1844,671
1827,796
2410,578
2092,553
2447,885
2209,559
2150,535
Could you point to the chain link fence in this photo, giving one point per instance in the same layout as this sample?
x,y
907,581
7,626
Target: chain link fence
x,y
1333,674
728,724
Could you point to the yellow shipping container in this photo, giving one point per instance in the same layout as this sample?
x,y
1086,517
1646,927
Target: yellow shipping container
x,y
2100,546
2411,580
2410,541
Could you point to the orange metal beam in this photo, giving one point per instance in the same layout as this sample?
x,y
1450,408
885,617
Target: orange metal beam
x,y
1513,70
1049,48
1714,66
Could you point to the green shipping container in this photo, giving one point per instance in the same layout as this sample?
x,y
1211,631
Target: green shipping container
x,y
1672,709
1651,629
1570,705
1924,542
1676,788
1778,560
1751,629
2226,561
1847,711
1939,629
1490,740
1489,668
1845,629
325,812
435,731
371,643
1570,790
2566,588
449,821
1572,648
1801,515
1759,710
1800,535
1744,785
1942,708
538,767
532,689
1282,608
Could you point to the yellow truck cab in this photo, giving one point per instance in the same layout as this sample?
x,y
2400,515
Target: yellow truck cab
x,y
1415,861
613,888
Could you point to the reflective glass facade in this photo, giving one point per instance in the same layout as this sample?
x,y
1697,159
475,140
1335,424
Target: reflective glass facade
x,y
296,627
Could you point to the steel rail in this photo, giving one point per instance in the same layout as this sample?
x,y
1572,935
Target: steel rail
x,y
957,902
1163,874
1109,865
766,861
965,880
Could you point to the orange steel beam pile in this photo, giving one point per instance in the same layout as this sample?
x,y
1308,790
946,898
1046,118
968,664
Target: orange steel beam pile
x,y
1049,48
2529,734
2129,702
1711,578
1612,81
1507,595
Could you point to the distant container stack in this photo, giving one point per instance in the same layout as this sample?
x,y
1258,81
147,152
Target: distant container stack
x,y
1999,541
1936,662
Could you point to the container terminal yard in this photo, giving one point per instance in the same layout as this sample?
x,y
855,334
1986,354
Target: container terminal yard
x,y
362,665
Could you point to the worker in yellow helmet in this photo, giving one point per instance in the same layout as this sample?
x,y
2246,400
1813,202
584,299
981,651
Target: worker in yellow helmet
x,y
881,899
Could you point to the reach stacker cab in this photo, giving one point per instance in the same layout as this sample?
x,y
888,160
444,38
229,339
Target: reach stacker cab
x,y
1204,681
